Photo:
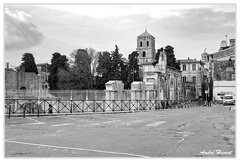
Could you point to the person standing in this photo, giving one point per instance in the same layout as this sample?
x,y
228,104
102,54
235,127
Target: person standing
x,y
50,109
208,100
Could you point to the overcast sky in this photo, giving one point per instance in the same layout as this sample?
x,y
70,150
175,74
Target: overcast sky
x,y
45,29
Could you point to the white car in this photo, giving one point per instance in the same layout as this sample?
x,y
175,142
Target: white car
x,y
228,100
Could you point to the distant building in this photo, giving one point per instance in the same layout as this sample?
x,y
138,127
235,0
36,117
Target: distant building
x,y
10,78
192,76
222,70
43,71
20,83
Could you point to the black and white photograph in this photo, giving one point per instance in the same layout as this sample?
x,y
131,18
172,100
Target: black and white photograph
x,y
119,80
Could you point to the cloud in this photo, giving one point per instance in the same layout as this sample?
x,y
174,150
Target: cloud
x,y
20,32
201,23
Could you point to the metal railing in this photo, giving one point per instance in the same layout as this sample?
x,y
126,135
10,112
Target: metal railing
x,y
23,107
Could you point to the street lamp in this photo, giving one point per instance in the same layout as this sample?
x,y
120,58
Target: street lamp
x,y
39,81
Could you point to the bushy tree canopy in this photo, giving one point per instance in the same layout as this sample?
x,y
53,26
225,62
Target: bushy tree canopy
x,y
29,63
171,60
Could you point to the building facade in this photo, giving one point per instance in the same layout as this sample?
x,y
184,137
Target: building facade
x,y
222,70
20,83
192,74
43,73
166,80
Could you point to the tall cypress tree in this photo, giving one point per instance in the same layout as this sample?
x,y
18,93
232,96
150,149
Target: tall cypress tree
x,y
116,60
29,63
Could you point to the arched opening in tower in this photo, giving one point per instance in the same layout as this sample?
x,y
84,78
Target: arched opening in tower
x,y
144,54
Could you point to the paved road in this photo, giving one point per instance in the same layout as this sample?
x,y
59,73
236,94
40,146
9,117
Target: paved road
x,y
193,132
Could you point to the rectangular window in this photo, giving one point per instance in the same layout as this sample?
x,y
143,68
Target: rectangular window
x,y
184,79
194,79
184,68
193,66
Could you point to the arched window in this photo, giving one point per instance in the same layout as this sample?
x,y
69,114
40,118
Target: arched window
x,y
147,43
144,54
140,44
194,79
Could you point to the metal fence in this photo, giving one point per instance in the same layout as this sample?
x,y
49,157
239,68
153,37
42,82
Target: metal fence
x,y
23,107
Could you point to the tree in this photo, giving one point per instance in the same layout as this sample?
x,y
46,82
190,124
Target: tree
x,y
171,60
115,66
103,69
65,80
132,69
58,62
109,67
81,69
124,74
29,63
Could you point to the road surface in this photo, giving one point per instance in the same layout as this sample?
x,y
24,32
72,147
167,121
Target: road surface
x,y
187,132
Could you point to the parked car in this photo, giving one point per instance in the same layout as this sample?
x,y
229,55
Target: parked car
x,y
228,100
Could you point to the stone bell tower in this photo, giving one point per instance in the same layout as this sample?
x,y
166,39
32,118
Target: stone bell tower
x,y
146,47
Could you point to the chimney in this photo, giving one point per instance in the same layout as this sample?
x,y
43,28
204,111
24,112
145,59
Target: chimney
x,y
232,42
188,58
7,65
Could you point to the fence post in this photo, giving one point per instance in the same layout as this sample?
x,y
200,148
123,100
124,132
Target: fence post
x,y
44,106
94,105
71,105
83,106
121,105
9,111
24,111
58,105
104,106
38,111
137,105
129,105
113,103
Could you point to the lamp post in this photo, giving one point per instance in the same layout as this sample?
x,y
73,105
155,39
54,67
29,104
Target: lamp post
x,y
39,81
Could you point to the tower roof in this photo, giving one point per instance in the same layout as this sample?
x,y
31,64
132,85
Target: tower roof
x,y
145,34
204,53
